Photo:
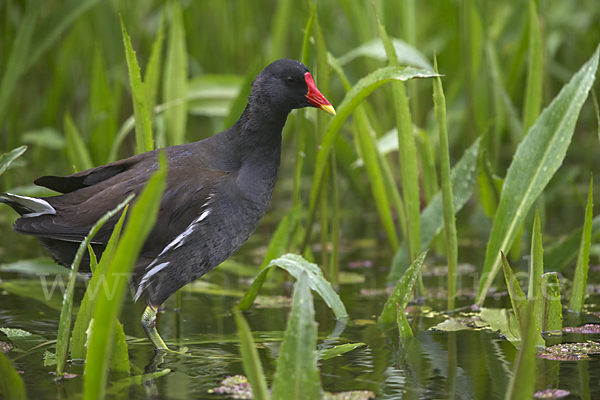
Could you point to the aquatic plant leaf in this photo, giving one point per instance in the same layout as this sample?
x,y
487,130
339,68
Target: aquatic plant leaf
x,y
350,395
96,283
212,95
571,351
519,301
407,151
450,325
501,320
283,235
152,74
353,98
557,257
432,218
140,222
439,101
175,79
335,351
583,260
295,265
538,157
490,186
11,383
406,54
7,158
536,268
402,291
250,358
297,375
403,325
238,386
548,309
77,152
143,123
522,382
64,324
119,360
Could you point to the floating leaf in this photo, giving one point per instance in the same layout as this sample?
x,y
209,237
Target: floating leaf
x,y
336,351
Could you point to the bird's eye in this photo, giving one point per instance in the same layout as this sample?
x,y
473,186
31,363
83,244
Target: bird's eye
x,y
290,81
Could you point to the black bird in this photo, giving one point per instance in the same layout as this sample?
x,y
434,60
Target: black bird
x,y
217,192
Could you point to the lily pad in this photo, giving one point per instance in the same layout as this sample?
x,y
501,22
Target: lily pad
x,y
571,351
588,328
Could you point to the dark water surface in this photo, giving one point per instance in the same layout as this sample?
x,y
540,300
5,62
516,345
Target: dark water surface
x,y
472,364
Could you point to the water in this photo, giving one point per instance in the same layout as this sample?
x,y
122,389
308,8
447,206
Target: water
x,y
473,364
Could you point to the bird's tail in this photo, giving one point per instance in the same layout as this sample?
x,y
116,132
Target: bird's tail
x,y
27,206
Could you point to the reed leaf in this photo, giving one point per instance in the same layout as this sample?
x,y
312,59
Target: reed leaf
x,y
297,375
11,383
250,359
538,157
548,308
535,71
583,259
536,268
7,158
152,74
77,152
140,222
143,122
175,80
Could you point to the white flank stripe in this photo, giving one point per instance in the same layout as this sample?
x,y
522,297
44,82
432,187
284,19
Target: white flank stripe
x,y
147,276
203,215
38,206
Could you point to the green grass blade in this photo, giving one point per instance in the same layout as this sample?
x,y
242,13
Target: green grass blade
x,y
104,106
250,359
557,257
88,304
7,158
11,383
535,71
353,98
295,265
583,259
140,222
439,101
409,170
152,74
143,122
403,325
432,218
548,309
538,157
537,258
522,382
64,324
17,59
402,291
77,152
119,360
175,80
519,301
297,375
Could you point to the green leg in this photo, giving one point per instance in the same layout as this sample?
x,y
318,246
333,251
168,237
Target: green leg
x,y
149,325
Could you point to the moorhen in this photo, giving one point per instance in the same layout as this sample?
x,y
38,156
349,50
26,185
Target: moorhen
x,y
217,192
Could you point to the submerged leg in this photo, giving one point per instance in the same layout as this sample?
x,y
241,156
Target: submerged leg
x,y
149,325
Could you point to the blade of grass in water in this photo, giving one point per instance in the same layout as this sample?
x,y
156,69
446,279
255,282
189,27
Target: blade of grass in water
x,y
548,308
175,80
143,122
522,382
11,383
583,260
447,196
64,324
297,375
77,152
141,221
402,291
536,261
90,298
295,265
250,359
538,157
407,150
519,302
